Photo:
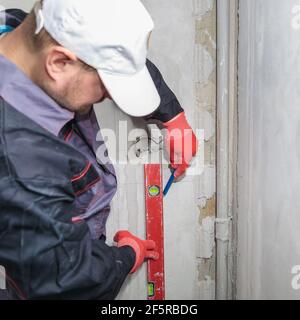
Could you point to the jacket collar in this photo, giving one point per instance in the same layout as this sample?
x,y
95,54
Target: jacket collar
x,y
26,97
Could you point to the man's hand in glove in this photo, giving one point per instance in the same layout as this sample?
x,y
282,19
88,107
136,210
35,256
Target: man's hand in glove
x,y
144,249
181,143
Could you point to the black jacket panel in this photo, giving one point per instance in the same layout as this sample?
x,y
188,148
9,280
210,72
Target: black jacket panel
x,y
169,106
45,254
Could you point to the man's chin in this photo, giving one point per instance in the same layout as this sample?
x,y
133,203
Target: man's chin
x,y
79,110
84,110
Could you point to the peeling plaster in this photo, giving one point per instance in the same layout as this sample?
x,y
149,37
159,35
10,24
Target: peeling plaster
x,y
202,7
206,96
207,238
205,85
209,152
205,62
209,208
208,182
207,289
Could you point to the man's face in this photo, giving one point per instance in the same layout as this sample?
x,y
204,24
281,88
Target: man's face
x,y
73,85
83,89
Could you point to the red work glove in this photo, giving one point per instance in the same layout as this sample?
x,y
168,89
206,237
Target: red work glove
x,y
144,249
181,143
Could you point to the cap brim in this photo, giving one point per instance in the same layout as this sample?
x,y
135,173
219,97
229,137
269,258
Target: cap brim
x,y
135,94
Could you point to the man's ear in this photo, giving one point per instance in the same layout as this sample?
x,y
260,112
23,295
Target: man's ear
x,y
57,60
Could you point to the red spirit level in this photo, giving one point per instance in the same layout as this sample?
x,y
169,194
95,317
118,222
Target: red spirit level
x,y
155,230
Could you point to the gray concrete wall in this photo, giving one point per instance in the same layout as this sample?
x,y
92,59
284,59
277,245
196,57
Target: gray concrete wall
x,y
183,46
269,152
24,5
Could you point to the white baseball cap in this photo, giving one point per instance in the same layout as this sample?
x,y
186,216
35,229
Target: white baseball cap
x,y
111,36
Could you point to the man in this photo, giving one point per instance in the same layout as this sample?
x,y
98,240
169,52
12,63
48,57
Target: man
x,y
54,193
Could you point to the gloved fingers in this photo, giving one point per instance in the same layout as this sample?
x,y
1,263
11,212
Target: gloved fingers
x,y
122,234
176,160
152,255
171,155
195,145
149,244
173,166
172,146
180,170
183,160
